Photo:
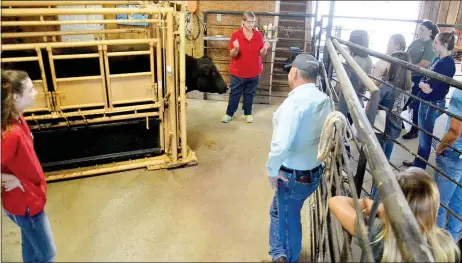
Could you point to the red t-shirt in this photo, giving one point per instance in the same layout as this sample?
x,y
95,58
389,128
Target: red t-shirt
x,y
20,160
248,62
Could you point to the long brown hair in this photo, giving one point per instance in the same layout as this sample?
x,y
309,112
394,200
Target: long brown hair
x,y
12,83
399,40
423,197
398,75
359,37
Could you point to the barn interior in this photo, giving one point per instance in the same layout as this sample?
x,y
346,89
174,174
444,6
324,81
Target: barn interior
x,y
140,168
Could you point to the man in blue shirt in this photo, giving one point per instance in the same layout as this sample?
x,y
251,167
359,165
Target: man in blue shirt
x,y
293,167
450,162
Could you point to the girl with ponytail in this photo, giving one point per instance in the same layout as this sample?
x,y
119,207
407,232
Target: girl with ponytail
x,y
23,181
434,91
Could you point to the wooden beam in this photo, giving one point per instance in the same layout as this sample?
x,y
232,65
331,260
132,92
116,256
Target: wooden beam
x,y
452,13
433,16
459,15
443,12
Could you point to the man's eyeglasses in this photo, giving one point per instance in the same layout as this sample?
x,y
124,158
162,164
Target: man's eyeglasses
x,y
250,22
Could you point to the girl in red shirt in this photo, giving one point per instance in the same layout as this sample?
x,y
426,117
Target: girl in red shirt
x,y
246,48
23,181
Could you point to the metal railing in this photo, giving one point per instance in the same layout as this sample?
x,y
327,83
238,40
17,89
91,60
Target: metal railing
x,y
403,222
319,29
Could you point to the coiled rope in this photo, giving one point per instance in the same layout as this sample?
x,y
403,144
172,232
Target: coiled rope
x,y
336,131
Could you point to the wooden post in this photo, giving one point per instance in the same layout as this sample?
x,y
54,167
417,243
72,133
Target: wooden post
x,y
173,99
182,69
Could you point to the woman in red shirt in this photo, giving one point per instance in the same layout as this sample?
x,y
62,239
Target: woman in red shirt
x,y
246,49
23,181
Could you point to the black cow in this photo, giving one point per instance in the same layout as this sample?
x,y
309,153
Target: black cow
x,y
201,73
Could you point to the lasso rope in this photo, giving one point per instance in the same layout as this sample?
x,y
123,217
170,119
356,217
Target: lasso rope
x,y
336,130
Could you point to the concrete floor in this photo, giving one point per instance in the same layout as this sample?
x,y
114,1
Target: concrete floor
x,y
216,211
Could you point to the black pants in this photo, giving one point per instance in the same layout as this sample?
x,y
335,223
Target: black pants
x,y
414,104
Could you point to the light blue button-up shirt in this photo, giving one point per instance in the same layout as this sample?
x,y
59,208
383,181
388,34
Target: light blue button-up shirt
x,y
297,126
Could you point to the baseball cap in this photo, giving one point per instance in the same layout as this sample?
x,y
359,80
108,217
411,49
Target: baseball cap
x,y
307,63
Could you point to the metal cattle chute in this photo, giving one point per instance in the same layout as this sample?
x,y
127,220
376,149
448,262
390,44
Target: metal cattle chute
x,y
106,121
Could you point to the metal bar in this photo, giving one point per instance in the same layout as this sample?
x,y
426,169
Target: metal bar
x,y
19,59
420,129
416,155
403,222
77,78
124,75
103,77
61,33
457,26
128,53
329,29
417,98
60,3
315,22
404,64
93,112
77,44
451,212
75,56
171,88
214,12
182,69
74,22
106,168
366,81
82,11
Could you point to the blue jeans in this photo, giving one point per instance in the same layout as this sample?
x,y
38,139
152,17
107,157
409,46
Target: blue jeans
x,y
450,193
427,118
37,239
387,145
285,236
248,86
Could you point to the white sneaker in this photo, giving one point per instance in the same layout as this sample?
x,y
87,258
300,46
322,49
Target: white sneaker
x,y
248,118
226,119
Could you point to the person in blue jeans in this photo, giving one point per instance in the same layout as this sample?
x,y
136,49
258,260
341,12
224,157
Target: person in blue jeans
x,y
422,55
434,91
394,100
449,161
293,168
246,48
